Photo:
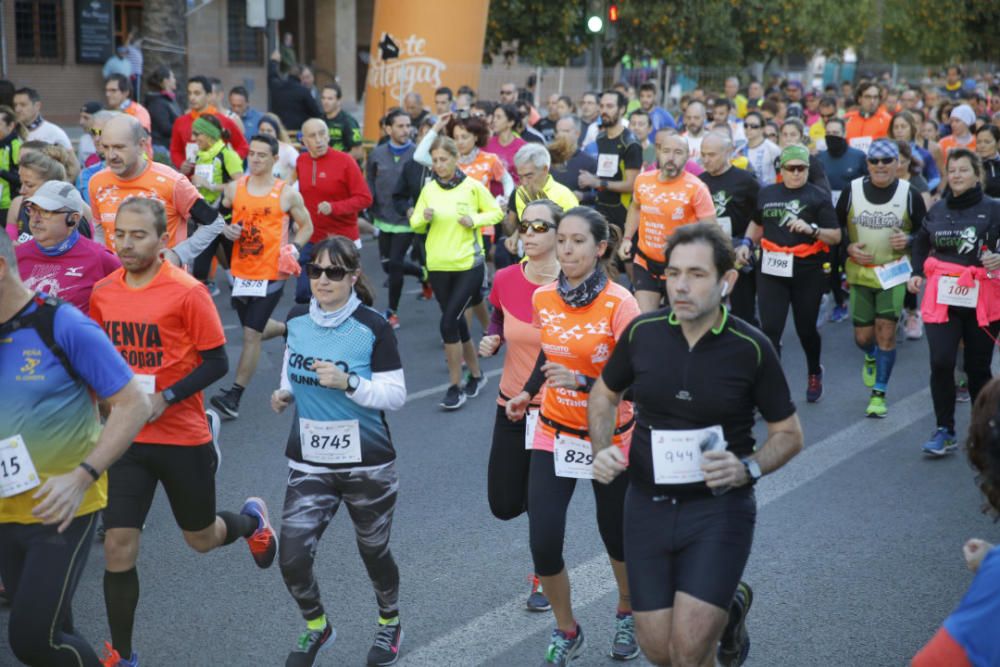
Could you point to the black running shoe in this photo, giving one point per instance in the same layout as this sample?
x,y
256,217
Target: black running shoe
x,y
453,399
474,384
735,643
385,649
309,644
227,404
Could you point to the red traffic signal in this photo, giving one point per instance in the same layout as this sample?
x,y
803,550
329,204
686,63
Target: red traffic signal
x,y
613,13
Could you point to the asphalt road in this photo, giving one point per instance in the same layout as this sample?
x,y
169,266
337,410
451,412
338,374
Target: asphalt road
x,y
857,555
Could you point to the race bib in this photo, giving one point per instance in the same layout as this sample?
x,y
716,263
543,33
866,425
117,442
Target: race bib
x,y
330,442
147,383
530,424
727,225
677,454
244,287
893,273
206,171
17,471
950,293
573,457
191,151
777,264
607,165
861,143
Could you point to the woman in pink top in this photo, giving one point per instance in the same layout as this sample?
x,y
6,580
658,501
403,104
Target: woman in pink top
x,y
505,143
513,287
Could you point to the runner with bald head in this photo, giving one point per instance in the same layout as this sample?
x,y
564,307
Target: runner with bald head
x,y
130,173
662,201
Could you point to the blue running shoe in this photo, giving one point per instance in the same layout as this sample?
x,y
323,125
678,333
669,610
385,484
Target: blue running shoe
x,y
941,443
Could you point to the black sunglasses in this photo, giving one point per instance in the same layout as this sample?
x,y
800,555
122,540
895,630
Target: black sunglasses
x,y
752,127
795,168
334,273
537,226
881,160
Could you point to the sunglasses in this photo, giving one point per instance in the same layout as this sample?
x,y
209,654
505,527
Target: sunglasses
x,y
537,226
881,160
795,168
95,131
752,127
334,273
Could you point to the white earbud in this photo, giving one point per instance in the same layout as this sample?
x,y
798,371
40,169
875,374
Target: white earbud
x,y
724,290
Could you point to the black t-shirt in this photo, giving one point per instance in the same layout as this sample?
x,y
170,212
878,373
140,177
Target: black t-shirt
x,y
957,235
734,193
778,205
547,128
614,205
991,177
345,133
729,372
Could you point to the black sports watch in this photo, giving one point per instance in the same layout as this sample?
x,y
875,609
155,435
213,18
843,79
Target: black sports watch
x,y
815,229
169,396
753,470
353,382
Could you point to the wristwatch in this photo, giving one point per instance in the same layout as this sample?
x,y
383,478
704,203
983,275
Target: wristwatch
x,y
169,397
353,382
815,229
753,470
604,184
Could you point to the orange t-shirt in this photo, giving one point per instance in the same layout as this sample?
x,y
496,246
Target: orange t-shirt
x,y
949,143
665,206
581,339
140,112
157,181
265,231
486,168
159,329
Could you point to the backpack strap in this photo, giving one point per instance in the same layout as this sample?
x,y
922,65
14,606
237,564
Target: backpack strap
x,y
42,320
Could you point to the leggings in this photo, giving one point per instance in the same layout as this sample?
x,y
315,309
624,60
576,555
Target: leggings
x,y
455,291
943,340
743,300
392,248
41,569
549,497
838,255
803,293
311,501
507,478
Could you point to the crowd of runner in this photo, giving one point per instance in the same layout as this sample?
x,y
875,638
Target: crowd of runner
x,y
634,267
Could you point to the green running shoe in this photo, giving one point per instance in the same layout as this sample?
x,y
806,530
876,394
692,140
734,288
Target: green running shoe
x,y
876,407
868,371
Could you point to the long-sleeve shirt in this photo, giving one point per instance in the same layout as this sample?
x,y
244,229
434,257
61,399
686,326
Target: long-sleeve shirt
x,y
451,246
333,177
181,136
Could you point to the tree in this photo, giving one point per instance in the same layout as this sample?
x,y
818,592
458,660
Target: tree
x,y
682,33
165,22
941,31
542,31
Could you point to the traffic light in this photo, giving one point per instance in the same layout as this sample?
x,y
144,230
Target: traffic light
x,y
595,16
613,13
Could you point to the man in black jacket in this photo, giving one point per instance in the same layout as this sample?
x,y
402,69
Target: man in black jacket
x,y
290,100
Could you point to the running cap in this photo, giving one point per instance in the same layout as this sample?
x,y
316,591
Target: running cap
x,y
794,152
883,148
964,113
91,107
57,196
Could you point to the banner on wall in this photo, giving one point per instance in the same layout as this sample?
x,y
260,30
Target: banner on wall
x,y
419,47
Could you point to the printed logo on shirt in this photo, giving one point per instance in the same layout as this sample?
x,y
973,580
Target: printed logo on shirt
x,y
300,362
601,354
32,358
721,201
683,395
139,343
74,271
877,220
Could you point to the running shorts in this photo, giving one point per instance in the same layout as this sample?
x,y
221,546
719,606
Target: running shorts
x,y
255,311
870,303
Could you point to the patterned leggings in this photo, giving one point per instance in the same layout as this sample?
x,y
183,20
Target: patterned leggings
x,y
311,501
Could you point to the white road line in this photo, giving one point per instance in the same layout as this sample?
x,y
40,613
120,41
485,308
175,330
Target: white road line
x,y
434,391
502,628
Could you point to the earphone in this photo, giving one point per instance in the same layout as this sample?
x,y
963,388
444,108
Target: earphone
x,y
724,290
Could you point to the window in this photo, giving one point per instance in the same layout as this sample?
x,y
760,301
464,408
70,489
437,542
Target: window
x,y
39,30
128,15
246,45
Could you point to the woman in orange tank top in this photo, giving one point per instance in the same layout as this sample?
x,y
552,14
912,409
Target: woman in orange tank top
x,y
581,317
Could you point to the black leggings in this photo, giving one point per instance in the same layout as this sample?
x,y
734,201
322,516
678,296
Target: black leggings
x,y
41,569
507,478
455,291
943,340
392,248
743,300
838,257
549,498
803,293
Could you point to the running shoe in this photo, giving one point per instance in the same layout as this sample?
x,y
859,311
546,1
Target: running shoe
x,y
735,643
624,646
941,443
426,292
392,318
473,384
536,599
215,425
385,649
839,314
876,407
227,404
453,399
913,326
112,658
309,644
868,371
562,649
814,389
962,391
263,543
213,288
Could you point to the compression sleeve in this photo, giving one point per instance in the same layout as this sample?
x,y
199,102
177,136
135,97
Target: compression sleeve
x,y
422,155
189,249
537,377
214,366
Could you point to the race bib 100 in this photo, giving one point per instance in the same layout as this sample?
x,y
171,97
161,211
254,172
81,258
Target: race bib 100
x,y
950,293
330,442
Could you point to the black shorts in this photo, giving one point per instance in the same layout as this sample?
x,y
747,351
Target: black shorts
x,y
255,311
188,477
645,280
699,546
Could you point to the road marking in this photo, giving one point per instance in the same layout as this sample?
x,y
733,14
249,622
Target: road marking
x,y
506,626
432,391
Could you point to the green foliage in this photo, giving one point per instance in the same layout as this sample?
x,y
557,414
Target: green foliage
x,y
941,31
546,32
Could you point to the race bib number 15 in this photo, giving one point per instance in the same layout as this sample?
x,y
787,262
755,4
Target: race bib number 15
x,y
17,471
